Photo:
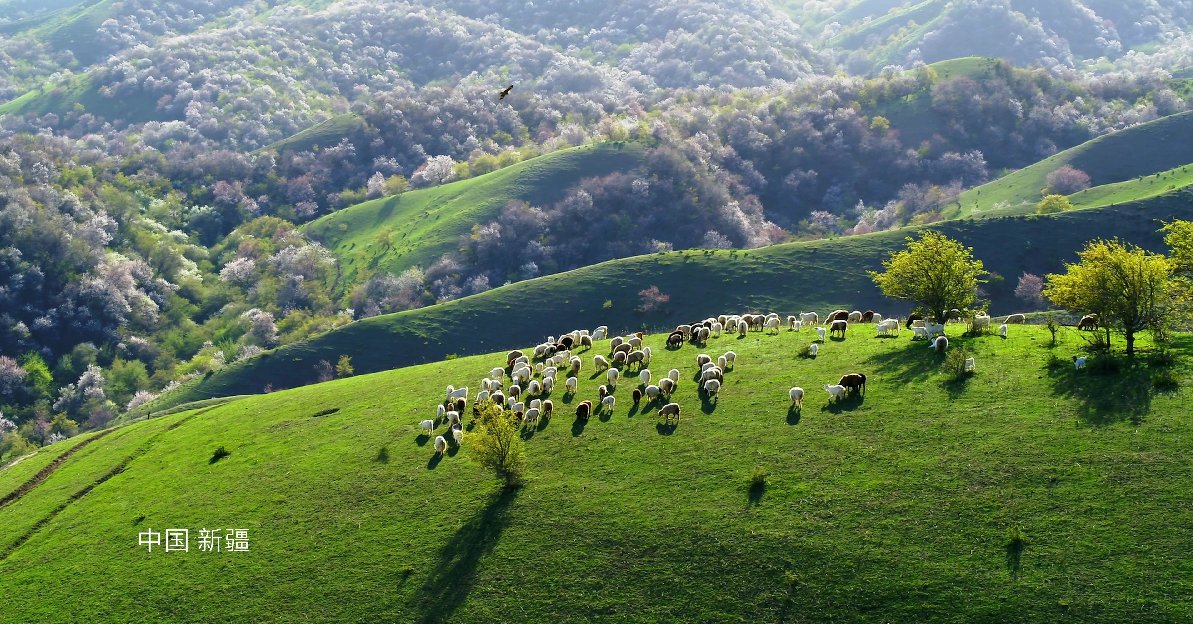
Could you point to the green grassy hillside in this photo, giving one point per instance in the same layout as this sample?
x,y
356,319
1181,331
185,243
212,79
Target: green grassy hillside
x,y
892,507
1144,150
418,226
81,90
819,275
323,134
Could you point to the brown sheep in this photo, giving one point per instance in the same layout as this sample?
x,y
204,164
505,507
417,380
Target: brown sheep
x,y
619,358
837,315
675,339
911,318
583,410
838,326
1089,321
624,347
511,356
548,407
565,343
461,403
669,410
868,316
854,382
637,395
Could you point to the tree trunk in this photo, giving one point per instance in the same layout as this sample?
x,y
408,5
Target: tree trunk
x,y
1130,343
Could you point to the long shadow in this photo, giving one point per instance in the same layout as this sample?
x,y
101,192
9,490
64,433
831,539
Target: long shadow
x,y
754,493
634,409
454,575
1015,557
914,363
578,427
666,428
568,397
708,405
453,449
956,387
1107,397
793,414
433,463
422,439
848,403
605,415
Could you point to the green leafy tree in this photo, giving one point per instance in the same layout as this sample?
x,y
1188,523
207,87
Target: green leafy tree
x,y
1179,236
1129,288
344,367
935,271
497,444
1052,204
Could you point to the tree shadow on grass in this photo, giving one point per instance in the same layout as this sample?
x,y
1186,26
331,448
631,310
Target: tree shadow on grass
x,y
454,574
847,403
1106,397
793,414
754,493
957,386
903,366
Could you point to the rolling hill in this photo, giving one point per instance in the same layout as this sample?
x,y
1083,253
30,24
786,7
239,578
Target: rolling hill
x,y
1150,149
893,506
419,226
818,275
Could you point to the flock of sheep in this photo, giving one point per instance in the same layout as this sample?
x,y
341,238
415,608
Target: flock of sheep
x,y
527,378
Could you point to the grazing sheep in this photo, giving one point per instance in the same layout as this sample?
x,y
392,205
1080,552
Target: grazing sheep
x,y
619,358
439,412
515,391
854,317
498,398
532,416
837,315
652,392
712,372
536,403
482,396
624,347
796,395
667,386
455,393
1002,330
636,357
706,366
821,333
704,334
427,426
1015,318
868,317
772,323
496,373
612,376
586,341
876,318
570,385
583,410
440,445
835,392
813,349
716,329
512,356
685,330
1089,321
600,362
644,376
838,327
600,332
969,365
461,403
602,392
648,353
722,362
608,402
703,359
457,435
616,342
636,395
940,344
981,321
919,332
853,382
711,387
669,410
673,375
535,388
635,342
809,317
548,385
576,364
742,328
548,407
674,339
792,323
1079,362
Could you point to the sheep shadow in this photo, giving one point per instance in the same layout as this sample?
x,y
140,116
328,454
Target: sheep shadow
x,y
605,415
904,366
453,449
422,439
567,398
578,427
433,463
708,404
666,428
598,374
383,455
837,338
847,403
634,409
793,414
1104,398
455,570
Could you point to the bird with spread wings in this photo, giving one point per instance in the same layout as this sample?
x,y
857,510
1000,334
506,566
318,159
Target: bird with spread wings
x,y
506,92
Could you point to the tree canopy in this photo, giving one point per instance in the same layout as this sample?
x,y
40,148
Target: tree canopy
x,y
935,271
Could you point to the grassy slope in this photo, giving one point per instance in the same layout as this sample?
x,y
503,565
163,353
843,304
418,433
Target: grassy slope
x,y
323,134
818,275
1141,150
891,508
427,223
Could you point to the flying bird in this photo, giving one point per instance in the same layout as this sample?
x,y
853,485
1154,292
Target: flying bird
x,y
506,92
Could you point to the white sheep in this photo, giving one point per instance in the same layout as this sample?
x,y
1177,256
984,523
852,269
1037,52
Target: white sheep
x,y
483,395
570,384
813,349
532,416
652,392
536,403
821,333
731,358
712,372
496,373
519,407
792,323
969,365
440,445
1002,330
711,387
600,332
667,386
644,376
854,317
548,385
835,391
940,344
809,318
722,362
647,352
439,411
796,394
717,328
981,321
919,332
428,426
608,402
742,328
673,375
457,435
600,362
453,417
1079,362
612,376
535,388
772,323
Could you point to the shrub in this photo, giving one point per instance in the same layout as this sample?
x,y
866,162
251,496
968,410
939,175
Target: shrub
x,y
758,483
219,454
608,305
1104,364
954,364
652,299
1161,359
1053,204
1165,380
1053,326
805,351
496,443
344,367
1056,362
